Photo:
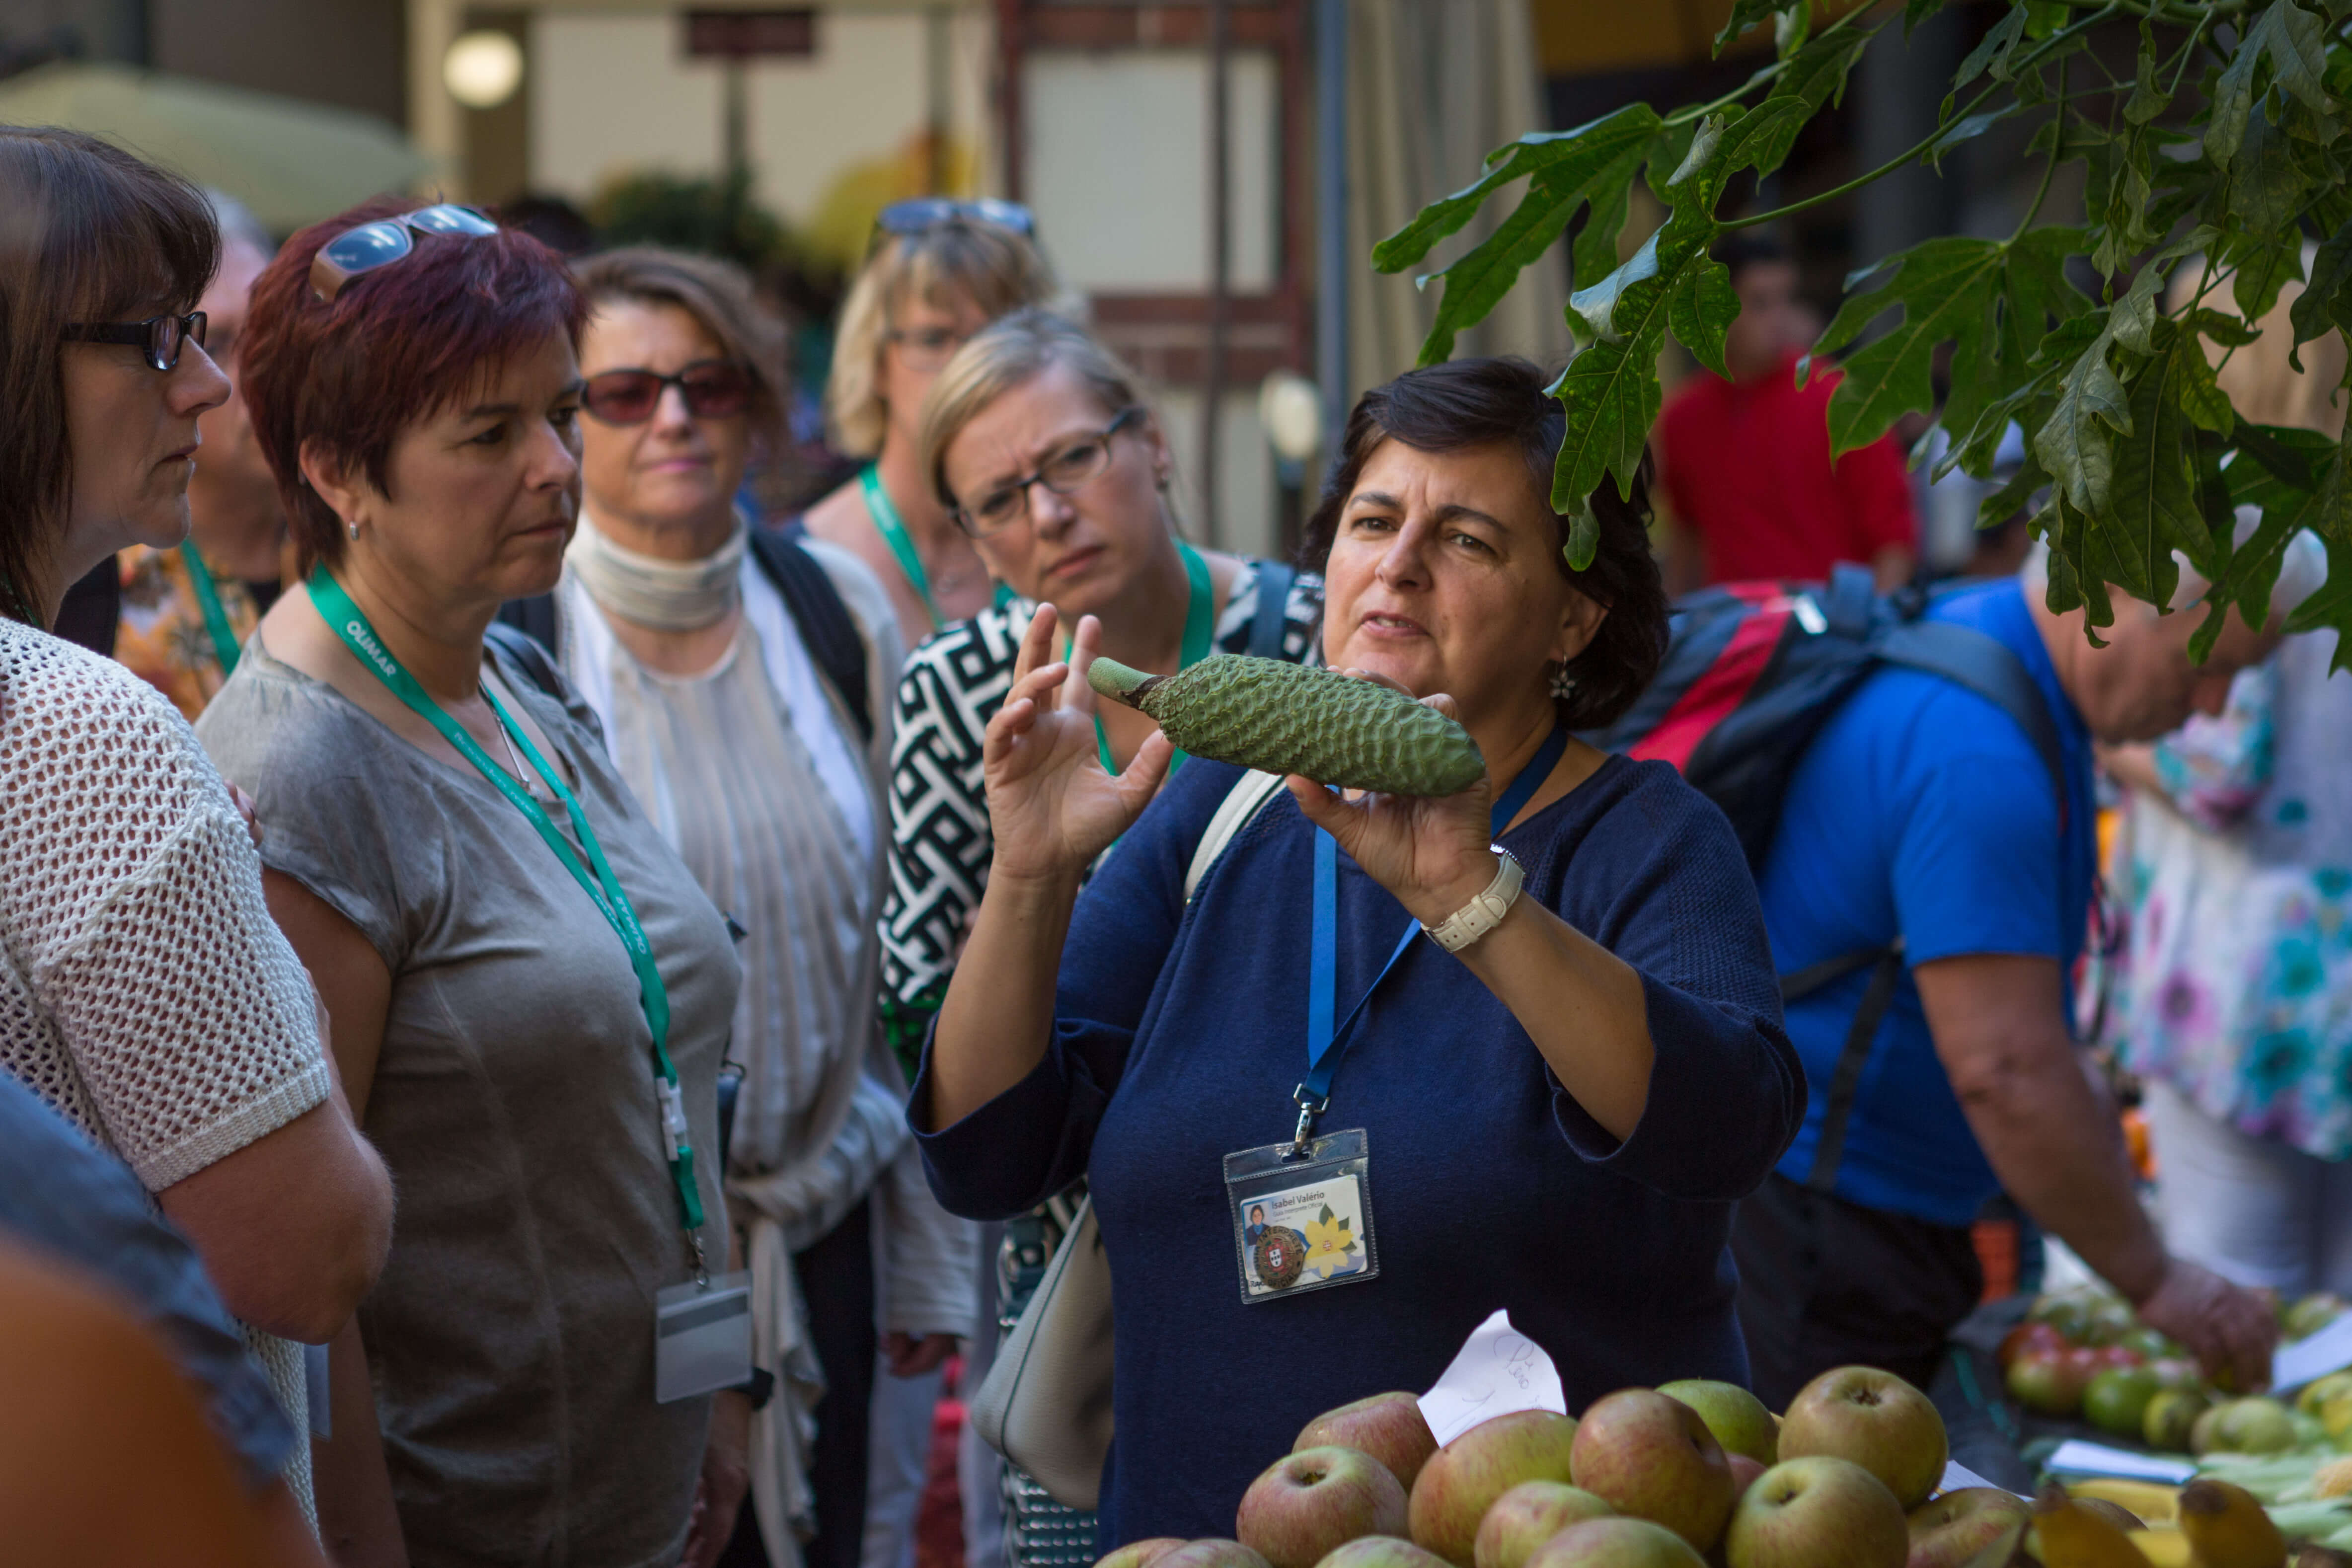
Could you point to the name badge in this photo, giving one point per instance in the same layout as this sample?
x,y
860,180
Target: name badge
x,y
702,1337
1302,1216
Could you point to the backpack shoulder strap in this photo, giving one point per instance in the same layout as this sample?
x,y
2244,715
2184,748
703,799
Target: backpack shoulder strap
x,y
823,621
526,650
1250,792
1983,664
533,617
1266,628
1845,1079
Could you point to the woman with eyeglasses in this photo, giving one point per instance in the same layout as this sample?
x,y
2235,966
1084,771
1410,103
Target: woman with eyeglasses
x,y
532,993
743,681
941,270
144,990
1040,446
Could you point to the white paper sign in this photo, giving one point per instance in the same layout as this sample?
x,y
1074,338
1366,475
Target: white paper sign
x,y
1498,1371
2329,1350
2077,1458
1960,1478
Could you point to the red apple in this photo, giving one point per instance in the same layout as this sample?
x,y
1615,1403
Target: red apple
x,y
1616,1543
1141,1554
1949,1532
1874,1420
1744,1472
1381,1552
1463,1479
1817,1513
2027,1337
1526,1516
1652,1456
1389,1426
2049,1383
2110,1356
1308,1504
1213,1553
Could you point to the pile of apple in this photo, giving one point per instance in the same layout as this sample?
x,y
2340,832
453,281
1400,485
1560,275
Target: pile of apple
x,y
1676,1477
2082,1354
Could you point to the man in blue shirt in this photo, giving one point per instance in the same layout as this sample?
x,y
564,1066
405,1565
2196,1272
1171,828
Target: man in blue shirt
x,y
1923,814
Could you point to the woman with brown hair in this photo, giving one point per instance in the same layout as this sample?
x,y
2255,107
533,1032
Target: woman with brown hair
x,y
531,994
144,990
941,270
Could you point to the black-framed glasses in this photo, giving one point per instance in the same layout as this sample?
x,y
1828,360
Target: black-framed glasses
x,y
1066,473
161,336
713,388
354,253
921,212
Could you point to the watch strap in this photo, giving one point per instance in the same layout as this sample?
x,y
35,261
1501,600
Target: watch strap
x,y
1484,911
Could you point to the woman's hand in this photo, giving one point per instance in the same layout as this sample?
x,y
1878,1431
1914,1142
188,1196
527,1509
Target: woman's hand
x,y
726,1477
1051,807
1433,853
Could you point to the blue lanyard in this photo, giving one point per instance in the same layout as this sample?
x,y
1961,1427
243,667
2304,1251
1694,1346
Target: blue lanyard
x,y
1323,960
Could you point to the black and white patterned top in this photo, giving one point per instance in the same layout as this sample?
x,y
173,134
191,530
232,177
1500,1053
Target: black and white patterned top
x,y
939,842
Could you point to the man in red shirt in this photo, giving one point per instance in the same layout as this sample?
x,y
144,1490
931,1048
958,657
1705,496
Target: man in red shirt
x,y
1744,462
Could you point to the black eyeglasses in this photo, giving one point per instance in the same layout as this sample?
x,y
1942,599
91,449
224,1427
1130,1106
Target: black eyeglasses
x,y
1066,473
713,388
354,253
913,217
161,336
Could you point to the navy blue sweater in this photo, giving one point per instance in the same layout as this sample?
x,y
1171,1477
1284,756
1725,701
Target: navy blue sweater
x,y
1180,1034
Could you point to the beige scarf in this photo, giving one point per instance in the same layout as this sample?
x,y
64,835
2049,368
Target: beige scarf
x,y
657,594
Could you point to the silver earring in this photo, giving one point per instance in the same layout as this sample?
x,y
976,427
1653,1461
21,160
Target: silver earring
x,y
1563,685
353,528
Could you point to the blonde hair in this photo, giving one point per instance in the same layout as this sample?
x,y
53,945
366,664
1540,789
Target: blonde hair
x,y
1009,353
718,296
997,269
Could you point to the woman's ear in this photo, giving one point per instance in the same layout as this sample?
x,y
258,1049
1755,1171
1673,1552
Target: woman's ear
x,y
1163,462
332,483
1579,622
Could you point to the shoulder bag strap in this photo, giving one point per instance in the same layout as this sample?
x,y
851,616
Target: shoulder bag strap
x,y
1250,792
823,622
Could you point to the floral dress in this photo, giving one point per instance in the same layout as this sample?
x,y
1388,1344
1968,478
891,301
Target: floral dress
x,y
2235,982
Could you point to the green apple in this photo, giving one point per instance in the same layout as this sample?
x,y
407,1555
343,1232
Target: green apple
x,y
1949,1530
2319,1391
1381,1552
2253,1426
2169,1418
1616,1543
1308,1504
1389,1426
2310,1315
1213,1552
1736,1417
1653,1458
1141,1554
1875,1420
1526,1516
2116,1401
1463,1479
1818,1512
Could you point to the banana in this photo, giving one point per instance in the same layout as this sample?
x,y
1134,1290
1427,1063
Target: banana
x,y
2164,1548
2227,1529
2154,1503
1288,719
2076,1537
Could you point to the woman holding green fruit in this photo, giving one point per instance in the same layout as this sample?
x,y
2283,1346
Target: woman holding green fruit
x,y
1550,1107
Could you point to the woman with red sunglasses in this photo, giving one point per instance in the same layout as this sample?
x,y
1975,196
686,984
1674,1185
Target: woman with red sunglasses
x,y
742,680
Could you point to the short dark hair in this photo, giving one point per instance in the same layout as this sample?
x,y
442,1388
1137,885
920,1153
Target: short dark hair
x,y
392,347
1740,250
88,233
1478,402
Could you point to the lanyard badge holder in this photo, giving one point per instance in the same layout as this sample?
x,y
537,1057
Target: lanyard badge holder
x,y
702,1330
1302,1211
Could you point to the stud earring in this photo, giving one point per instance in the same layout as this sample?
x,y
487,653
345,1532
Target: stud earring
x,y
352,527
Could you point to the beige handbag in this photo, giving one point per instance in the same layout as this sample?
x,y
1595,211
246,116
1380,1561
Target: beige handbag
x,y
1045,1403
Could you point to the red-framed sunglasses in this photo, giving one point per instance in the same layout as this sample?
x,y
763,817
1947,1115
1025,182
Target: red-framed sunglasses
x,y
713,388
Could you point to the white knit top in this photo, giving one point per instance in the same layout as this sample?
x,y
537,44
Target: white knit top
x,y
144,990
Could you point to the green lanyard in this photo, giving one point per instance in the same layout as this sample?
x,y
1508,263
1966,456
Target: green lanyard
x,y
603,889
217,624
1199,620
893,529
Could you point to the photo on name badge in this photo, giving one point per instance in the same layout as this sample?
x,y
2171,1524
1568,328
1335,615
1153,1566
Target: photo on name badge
x,y
1306,1234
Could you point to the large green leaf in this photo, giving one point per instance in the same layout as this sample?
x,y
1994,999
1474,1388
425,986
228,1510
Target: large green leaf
x,y
1701,309
1747,14
2332,605
1814,75
1610,390
1577,157
2155,506
2326,300
2293,43
1944,288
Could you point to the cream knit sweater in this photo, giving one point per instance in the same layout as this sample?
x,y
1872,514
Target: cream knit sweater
x,y
144,990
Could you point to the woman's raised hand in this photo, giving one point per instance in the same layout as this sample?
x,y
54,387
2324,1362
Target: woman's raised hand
x,y
1430,853
1051,806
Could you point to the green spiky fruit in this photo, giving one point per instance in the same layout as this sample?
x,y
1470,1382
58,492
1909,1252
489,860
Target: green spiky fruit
x,y
1288,719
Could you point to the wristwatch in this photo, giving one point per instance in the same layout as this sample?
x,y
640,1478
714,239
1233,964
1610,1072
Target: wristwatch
x,y
1483,913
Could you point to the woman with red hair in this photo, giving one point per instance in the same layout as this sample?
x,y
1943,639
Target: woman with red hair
x,y
531,994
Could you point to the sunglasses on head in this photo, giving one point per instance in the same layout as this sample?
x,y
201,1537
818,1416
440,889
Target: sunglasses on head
x,y
159,336
356,252
713,388
925,213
